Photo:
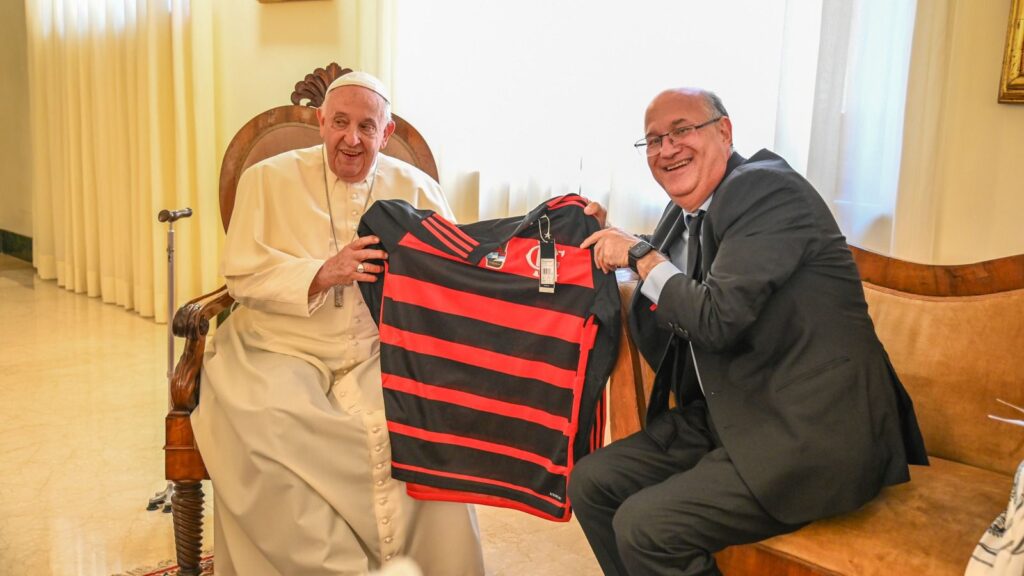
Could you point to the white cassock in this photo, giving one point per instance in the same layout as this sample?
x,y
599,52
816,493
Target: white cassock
x,y
290,419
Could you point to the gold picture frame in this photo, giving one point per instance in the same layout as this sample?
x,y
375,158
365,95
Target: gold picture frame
x,y
1011,85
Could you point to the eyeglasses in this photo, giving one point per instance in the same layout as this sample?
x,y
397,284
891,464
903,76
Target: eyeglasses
x,y
652,144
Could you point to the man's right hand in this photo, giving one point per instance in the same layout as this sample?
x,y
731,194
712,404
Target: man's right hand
x,y
610,248
342,268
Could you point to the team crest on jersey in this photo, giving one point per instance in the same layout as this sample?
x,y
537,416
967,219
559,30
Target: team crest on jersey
x,y
495,260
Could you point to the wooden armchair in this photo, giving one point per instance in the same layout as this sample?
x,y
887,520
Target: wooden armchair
x,y
955,336
272,132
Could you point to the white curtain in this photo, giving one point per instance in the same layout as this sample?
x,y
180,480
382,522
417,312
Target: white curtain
x,y
526,100
122,127
859,105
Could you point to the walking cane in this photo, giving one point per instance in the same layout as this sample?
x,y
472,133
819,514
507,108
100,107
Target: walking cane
x,y
163,498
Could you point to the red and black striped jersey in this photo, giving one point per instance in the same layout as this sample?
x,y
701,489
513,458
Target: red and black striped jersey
x,y
493,389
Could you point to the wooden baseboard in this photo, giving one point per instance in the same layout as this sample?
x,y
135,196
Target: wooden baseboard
x,y
16,245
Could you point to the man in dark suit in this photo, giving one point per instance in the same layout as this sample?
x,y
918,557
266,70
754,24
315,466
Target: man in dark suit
x,y
751,311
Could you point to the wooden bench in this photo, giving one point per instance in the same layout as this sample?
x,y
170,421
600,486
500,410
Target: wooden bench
x,y
956,337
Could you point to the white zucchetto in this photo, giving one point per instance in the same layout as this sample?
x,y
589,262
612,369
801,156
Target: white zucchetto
x,y
368,81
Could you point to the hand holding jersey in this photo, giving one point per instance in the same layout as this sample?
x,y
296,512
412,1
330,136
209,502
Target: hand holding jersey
x,y
349,265
615,248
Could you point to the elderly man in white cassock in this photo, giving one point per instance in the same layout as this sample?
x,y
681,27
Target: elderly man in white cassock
x,y
290,420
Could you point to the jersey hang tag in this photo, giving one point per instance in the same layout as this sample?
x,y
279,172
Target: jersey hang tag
x,y
548,265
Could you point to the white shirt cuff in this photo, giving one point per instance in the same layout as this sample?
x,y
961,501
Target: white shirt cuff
x,y
656,280
318,300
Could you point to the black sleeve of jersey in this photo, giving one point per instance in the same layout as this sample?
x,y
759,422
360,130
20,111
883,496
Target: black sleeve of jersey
x,y
606,309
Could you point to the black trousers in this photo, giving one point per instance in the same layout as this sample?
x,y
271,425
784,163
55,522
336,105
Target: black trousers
x,y
662,501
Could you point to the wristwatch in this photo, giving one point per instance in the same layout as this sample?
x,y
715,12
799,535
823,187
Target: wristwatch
x,y
638,251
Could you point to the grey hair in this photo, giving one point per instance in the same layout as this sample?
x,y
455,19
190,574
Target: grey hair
x,y
715,108
714,103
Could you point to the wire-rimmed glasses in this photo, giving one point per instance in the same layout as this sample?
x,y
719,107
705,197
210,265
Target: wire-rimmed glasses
x,y
651,145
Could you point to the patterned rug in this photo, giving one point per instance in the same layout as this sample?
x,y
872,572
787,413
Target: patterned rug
x,y
169,568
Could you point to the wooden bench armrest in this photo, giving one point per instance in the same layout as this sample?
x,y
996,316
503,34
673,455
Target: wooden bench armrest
x,y
192,322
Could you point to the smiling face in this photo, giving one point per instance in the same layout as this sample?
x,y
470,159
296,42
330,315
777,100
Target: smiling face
x,y
355,128
689,170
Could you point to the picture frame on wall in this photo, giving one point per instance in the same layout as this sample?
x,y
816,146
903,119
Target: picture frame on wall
x,y
1011,84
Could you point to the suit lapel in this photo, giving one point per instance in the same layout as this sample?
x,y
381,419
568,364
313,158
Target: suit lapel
x,y
668,227
642,323
708,244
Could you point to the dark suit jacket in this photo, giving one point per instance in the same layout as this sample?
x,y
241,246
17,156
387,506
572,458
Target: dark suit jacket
x,y
798,386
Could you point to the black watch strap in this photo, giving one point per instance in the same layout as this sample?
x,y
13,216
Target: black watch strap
x,y
638,251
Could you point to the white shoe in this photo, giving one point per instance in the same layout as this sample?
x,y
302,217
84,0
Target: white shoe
x,y
400,567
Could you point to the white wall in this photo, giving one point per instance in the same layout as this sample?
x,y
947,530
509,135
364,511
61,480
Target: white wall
x,y
980,181
262,50
15,146
961,186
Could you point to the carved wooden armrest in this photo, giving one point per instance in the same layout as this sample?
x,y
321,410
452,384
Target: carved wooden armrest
x,y
192,322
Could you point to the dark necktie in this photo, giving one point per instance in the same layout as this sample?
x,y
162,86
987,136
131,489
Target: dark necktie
x,y
693,222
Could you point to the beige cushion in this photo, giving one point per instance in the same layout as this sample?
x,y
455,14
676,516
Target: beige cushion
x,y
955,356
927,526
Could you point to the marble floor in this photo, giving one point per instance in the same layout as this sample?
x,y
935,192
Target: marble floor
x,y
82,399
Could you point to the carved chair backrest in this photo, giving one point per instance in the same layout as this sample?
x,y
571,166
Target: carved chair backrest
x,y
292,127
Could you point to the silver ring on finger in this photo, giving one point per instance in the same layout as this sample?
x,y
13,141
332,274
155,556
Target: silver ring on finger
x,y
360,268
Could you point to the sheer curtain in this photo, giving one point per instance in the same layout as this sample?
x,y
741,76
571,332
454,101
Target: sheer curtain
x,y
526,100
122,126
859,107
